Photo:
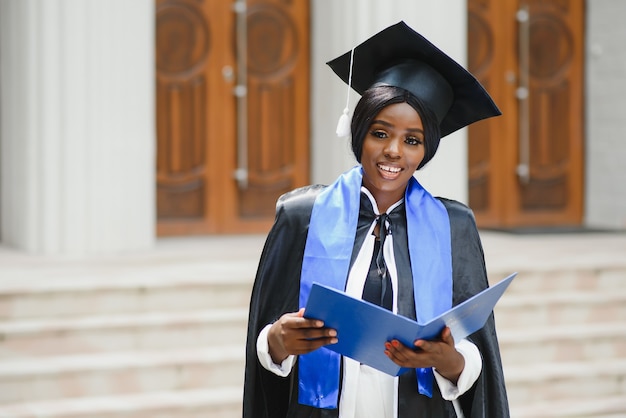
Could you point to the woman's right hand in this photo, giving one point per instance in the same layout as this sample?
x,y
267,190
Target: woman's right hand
x,y
293,334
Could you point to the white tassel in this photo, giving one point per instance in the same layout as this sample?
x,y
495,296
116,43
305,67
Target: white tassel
x,y
343,126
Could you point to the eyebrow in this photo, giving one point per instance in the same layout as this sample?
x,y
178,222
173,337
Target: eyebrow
x,y
385,123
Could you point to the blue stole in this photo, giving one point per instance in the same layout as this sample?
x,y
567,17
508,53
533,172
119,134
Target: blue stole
x,y
327,254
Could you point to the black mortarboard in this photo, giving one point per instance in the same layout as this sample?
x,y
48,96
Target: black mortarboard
x,y
399,56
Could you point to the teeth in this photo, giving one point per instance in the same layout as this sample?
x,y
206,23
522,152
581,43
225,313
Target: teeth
x,y
389,169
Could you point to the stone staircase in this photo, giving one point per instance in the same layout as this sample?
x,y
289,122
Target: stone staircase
x,y
162,334
158,336
563,341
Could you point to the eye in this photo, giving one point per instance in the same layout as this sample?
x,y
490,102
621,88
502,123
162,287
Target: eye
x,y
379,134
413,140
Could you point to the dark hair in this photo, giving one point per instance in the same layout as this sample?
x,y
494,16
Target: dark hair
x,y
374,100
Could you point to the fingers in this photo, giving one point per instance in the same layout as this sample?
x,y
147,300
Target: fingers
x,y
304,341
433,346
297,320
308,345
423,353
294,334
403,355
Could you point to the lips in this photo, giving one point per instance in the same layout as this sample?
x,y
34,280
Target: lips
x,y
389,172
389,169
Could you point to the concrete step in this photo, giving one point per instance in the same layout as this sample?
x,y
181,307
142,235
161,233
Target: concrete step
x,y
600,407
530,385
521,310
105,333
105,374
222,402
563,278
217,285
563,343
562,337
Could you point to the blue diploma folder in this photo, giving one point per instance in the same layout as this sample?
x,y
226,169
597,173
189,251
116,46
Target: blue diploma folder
x,y
363,328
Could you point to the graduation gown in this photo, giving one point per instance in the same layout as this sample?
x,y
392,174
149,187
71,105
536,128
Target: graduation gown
x,y
276,291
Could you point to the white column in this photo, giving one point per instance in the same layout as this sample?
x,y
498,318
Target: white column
x,y
337,26
77,135
605,153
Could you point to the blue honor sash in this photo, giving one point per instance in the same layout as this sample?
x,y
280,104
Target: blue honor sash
x,y
327,254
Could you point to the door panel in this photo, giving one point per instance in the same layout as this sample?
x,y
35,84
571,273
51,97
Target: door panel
x,y
188,55
205,130
526,166
487,36
278,69
553,191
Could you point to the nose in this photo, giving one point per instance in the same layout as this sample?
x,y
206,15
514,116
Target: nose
x,y
392,148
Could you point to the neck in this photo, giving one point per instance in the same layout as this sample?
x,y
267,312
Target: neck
x,y
384,205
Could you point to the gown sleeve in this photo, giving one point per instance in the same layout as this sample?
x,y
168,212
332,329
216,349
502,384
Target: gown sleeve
x,y
275,292
487,398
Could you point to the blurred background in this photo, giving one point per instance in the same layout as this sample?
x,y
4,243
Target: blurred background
x,y
143,144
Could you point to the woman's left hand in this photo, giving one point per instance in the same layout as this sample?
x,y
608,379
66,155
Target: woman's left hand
x,y
439,354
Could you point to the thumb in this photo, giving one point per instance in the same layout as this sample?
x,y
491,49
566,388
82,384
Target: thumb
x,y
446,336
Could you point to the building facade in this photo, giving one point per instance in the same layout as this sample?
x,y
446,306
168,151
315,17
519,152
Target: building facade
x,y
78,125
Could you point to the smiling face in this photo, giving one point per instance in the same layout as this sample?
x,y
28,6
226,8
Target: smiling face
x,y
393,148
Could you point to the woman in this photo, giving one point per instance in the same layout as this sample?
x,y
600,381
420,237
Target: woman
x,y
377,234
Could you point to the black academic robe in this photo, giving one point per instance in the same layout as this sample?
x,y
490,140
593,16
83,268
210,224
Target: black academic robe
x,y
276,291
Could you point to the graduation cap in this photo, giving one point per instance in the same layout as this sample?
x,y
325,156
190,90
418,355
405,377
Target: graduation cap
x,y
399,56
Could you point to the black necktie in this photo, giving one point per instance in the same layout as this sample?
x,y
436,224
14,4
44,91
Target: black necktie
x,y
378,289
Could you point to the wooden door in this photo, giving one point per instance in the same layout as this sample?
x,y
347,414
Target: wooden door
x,y
232,112
526,167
